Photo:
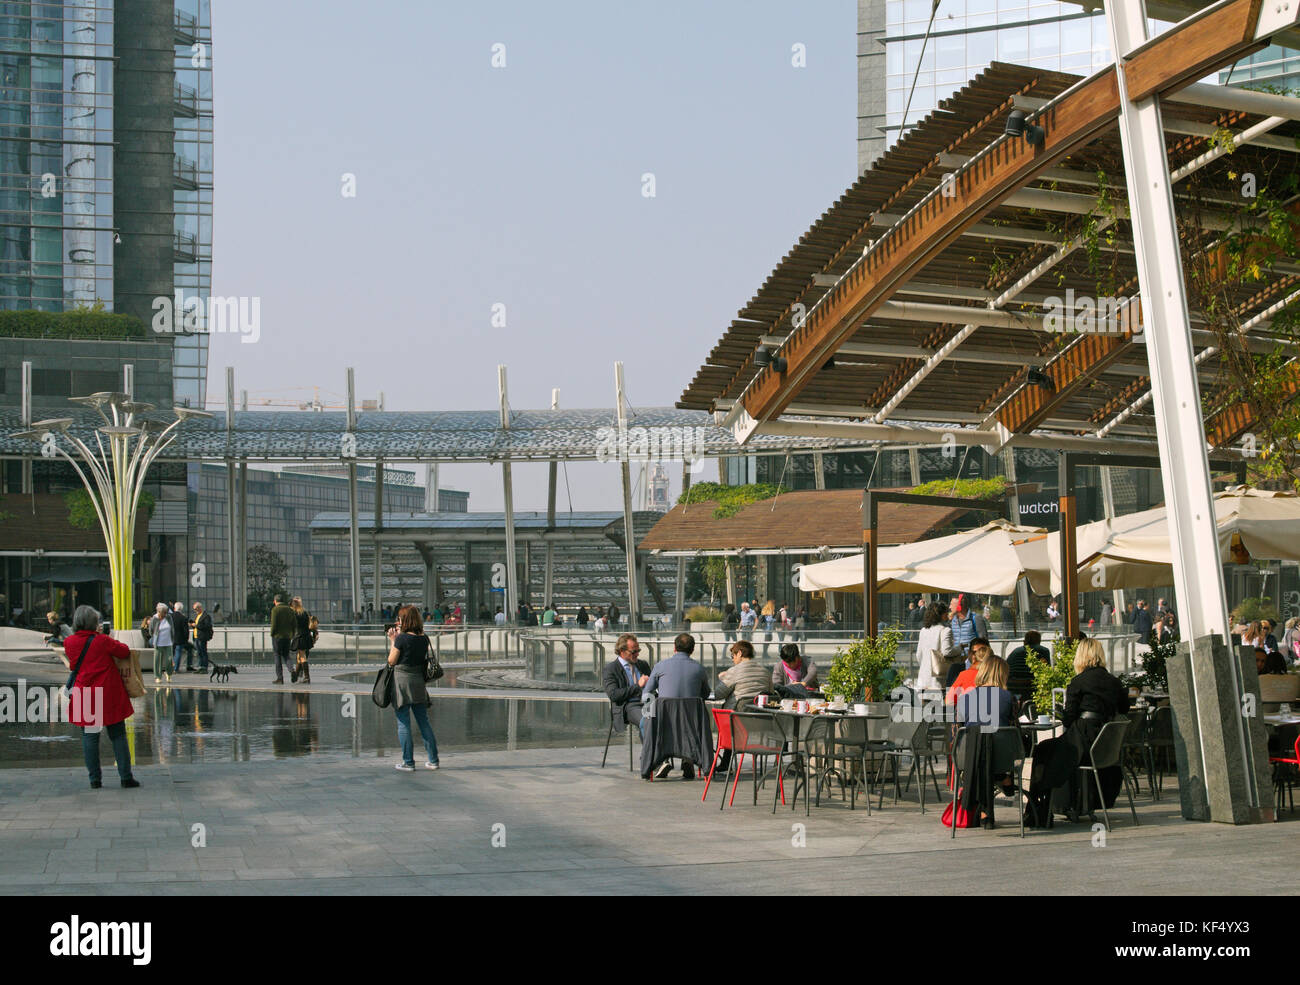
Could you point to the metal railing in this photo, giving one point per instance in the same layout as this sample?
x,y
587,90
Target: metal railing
x,y
185,24
185,99
352,644
184,245
185,170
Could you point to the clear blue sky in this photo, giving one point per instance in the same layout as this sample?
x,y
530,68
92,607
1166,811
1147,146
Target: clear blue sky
x,y
518,185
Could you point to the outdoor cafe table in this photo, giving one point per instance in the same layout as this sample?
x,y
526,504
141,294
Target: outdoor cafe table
x,y
799,717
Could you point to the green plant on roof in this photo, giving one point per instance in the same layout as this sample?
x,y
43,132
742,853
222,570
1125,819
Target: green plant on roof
x,y
964,488
728,500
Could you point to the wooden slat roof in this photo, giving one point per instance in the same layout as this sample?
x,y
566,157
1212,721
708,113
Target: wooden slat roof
x,y
794,521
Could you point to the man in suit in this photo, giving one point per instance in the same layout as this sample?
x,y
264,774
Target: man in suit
x,y
679,677
623,679
1142,621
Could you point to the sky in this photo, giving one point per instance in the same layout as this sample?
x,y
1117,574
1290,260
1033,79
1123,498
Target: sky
x,y
519,185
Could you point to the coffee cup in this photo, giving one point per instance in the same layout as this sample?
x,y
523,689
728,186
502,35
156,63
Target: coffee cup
x,y
859,709
801,707
761,701
787,704
1044,720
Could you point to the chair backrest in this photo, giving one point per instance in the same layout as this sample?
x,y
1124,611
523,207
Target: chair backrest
x,y
1027,709
1008,749
818,736
1161,725
691,715
756,732
1109,744
1276,688
1137,727
722,719
852,730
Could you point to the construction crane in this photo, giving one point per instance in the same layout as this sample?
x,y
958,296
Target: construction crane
x,y
332,401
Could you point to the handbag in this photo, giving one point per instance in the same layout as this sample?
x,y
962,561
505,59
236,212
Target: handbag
x,y
432,669
132,679
382,692
963,816
938,664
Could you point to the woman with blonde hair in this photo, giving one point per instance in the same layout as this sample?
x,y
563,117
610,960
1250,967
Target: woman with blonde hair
x,y
1093,698
304,638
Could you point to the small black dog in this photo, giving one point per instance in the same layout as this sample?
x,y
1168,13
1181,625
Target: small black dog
x,y
222,673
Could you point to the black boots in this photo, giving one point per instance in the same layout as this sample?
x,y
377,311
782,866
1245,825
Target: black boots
x,y
304,673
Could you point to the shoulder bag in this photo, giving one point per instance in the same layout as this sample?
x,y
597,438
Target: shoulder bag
x,y
432,669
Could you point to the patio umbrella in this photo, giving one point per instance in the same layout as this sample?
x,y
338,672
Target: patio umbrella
x,y
1134,551
986,561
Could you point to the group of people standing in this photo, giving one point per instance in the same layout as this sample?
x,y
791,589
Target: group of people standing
x,y
175,636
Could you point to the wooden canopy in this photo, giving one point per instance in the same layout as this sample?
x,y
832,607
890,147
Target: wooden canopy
x,y
795,523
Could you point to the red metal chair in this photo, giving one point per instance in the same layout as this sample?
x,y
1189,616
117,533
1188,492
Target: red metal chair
x,y
1283,779
758,735
722,719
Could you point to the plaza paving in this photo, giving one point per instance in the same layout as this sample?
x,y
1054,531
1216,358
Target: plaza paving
x,y
337,825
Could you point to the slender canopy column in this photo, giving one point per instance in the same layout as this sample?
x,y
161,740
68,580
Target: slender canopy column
x,y
629,534
512,591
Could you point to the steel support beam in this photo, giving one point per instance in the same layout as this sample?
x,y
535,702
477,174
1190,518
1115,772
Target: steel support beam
x,y
512,572
241,525
629,534
552,476
379,526
1230,795
354,535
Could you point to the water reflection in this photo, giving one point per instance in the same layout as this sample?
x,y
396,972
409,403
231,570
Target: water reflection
x,y
180,725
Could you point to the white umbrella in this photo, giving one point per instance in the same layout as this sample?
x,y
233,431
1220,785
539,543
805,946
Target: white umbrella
x,y
1134,551
986,561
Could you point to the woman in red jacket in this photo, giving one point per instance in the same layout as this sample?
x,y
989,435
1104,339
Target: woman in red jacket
x,y
99,700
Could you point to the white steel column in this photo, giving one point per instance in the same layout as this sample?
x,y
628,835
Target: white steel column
x,y
549,576
1022,584
379,528
629,534
512,591
354,535
1198,577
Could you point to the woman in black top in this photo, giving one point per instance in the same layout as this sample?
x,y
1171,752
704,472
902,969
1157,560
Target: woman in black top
x,y
408,656
1093,698
304,638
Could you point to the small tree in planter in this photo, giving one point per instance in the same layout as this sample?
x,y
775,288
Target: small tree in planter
x,y
867,667
1154,676
1058,673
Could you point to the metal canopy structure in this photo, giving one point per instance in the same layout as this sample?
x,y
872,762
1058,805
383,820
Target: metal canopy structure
x,y
1022,210
904,305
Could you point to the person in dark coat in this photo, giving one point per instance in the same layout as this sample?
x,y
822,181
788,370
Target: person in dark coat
x,y
623,678
1093,698
1142,622
679,677
98,697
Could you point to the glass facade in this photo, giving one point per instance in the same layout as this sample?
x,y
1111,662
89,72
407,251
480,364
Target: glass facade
x,y
56,155
192,183
968,35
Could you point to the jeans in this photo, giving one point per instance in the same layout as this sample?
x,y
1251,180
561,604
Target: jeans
x,y
178,654
90,750
202,647
426,730
162,660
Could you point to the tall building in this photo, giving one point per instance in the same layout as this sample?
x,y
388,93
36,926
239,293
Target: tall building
x,y
105,208
896,61
105,190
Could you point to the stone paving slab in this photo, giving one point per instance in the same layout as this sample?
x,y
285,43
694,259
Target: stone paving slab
x,y
343,826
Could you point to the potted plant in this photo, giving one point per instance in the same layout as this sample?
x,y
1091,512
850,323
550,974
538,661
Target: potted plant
x,y
1049,676
867,667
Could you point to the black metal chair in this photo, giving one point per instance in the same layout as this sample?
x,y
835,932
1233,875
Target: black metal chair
x,y
1005,752
1106,751
850,751
1159,743
614,719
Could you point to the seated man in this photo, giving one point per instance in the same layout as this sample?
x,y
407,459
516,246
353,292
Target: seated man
x,y
623,679
1021,681
678,677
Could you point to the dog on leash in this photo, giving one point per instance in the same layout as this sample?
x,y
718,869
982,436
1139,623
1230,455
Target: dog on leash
x,y
222,672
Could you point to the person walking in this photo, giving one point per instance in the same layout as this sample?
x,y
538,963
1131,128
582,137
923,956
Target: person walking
x,y
408,655
304,638
160,634
202,634
181,639
99,702
284,624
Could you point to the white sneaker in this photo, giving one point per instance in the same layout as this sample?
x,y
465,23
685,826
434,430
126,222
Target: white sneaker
x,y
404,768
431,766
157,680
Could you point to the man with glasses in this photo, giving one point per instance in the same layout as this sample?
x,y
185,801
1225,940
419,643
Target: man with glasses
x,y
623,679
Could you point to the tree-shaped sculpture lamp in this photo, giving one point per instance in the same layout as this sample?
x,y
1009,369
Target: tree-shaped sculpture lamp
x,y
113,472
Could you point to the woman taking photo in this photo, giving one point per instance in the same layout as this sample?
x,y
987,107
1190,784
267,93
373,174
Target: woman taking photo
x,y
409,656
304,638
935,649
98,697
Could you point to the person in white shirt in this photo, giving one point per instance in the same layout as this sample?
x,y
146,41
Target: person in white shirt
x,y
500,617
